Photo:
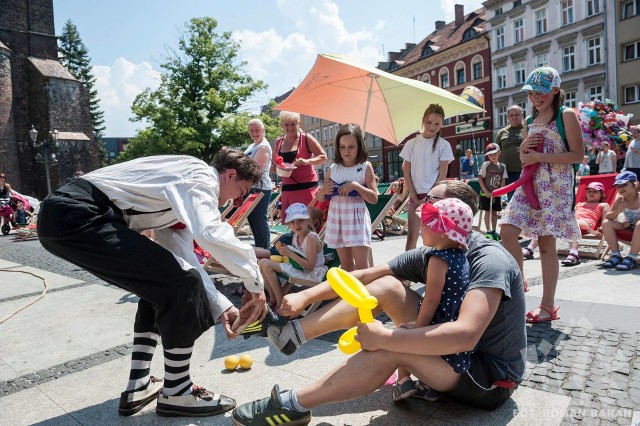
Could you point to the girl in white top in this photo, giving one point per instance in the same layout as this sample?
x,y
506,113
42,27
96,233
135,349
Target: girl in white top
x,y
426,159
606,159
305,252
350,182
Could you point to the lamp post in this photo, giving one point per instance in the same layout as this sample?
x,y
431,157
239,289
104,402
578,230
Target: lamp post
x,y
45,145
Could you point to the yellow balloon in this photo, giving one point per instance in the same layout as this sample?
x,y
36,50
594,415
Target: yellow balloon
x,y
231,362
351,290
246,361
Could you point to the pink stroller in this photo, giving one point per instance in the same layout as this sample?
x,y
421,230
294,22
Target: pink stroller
x,y
8,212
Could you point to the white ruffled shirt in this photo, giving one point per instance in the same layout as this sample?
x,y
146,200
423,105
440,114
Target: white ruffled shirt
x,y
169,189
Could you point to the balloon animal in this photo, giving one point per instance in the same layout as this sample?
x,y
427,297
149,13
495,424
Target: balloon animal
x,y
351,290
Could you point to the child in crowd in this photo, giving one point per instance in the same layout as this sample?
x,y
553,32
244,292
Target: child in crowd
x,y
349,183
493,175
21,214
552,183
445,227
426,160
583,168
305,250
627,204
466,165
588,214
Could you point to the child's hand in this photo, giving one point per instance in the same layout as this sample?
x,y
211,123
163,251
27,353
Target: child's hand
x,y
408,325
283,250
346,188
416,200
327,188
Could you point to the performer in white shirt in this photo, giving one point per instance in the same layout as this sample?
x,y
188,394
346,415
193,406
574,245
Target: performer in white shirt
x,y
95,222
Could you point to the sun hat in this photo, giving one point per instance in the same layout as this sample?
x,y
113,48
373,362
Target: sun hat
x,y
296,211
625,177
492,148
596,185
450,216
542,79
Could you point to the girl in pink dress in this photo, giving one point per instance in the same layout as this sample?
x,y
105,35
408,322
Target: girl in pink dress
x,y
350,182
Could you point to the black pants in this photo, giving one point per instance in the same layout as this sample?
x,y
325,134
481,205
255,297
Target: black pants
x,y
81,225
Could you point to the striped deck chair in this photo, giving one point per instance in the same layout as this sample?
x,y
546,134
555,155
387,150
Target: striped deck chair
x,y
379,211
239,218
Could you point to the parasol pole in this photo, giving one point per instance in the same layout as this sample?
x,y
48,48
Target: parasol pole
x,y
372,76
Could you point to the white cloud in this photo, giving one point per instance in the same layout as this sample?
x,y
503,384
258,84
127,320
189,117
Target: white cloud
x,y
117,87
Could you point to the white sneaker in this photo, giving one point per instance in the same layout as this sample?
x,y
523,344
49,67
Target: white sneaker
x,y
132,402
200,403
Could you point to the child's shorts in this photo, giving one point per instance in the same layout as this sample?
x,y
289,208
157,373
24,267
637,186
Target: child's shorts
x,y
317,274
484,204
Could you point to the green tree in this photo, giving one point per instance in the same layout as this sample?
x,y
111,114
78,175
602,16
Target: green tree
x,y
196,108
74,56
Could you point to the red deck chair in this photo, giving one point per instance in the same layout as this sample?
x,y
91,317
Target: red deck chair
x,y
610,192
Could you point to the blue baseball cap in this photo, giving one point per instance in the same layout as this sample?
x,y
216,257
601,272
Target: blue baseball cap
x,y
625,177
542,80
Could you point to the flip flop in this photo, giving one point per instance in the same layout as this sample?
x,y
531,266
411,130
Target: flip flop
x,y
529,253
535,318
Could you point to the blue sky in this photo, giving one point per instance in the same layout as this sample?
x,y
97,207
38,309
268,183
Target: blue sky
x,y
128,39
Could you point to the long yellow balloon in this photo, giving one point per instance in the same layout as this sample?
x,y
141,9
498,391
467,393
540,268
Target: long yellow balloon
x,y
352,291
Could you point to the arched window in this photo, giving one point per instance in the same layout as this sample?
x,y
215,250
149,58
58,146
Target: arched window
x,y
476,67
444,78
425,78
470,33
427,50
460,73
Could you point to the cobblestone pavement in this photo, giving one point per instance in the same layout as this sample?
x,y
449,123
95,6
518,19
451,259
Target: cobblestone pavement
x,y
599,369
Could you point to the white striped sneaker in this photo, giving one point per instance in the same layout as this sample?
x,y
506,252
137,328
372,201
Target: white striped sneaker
x,y
200,403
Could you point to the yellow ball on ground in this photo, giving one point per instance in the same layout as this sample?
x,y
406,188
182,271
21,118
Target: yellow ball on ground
x,y
246,361
231,362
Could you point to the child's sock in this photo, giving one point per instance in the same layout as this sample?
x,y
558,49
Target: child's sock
x,y
574,252
403,379
290,401
287,338
633,256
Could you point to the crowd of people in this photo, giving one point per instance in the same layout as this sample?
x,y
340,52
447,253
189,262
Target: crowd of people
x,y
465,339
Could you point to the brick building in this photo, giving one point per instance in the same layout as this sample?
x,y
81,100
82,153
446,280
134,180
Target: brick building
x,y
35,89
454,56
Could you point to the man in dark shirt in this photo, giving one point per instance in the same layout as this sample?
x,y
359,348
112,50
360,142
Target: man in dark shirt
x,y
490,322
509,140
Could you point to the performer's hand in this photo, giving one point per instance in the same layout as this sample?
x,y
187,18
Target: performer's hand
x,y
257,306
227,318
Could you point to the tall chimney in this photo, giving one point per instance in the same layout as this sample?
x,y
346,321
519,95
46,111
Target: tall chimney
x,y
459,14
439,24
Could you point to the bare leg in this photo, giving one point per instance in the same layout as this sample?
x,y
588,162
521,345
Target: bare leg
x,y
360,257
494,220
609,228
399,302
550,270
366,371
346,258
413,228
487,220
271,281
635,240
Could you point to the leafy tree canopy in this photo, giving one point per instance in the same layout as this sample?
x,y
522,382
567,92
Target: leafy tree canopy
x,y
196,108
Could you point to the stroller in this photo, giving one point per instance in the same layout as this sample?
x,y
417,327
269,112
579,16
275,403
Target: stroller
x,y
9,216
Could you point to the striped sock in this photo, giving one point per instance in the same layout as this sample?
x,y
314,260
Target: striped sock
x,y
176,372
144,344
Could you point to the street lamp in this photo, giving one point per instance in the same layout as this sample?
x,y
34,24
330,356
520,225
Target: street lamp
x,y
45,145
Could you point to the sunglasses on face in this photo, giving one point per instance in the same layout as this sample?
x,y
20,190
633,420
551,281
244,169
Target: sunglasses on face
x,y
433,198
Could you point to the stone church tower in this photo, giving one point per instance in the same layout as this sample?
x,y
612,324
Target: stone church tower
x,y
35,89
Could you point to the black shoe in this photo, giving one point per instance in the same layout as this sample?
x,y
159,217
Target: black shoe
x,y
200,403
132,402
259,328
268,412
